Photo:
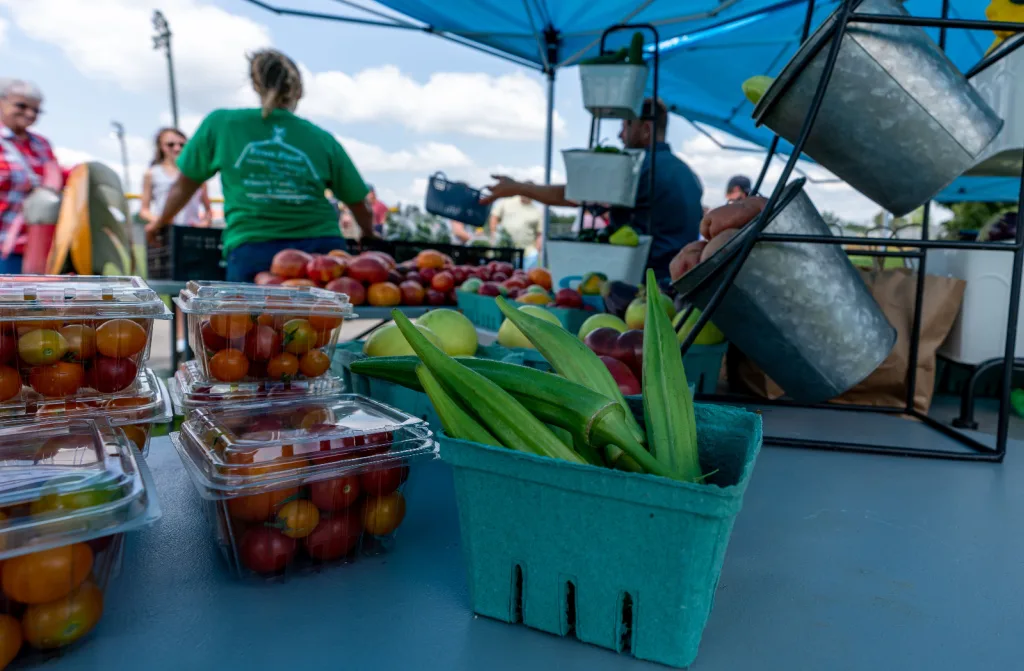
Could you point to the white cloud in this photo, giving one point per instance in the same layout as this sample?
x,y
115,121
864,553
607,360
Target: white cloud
x,y
3,31
424,157
508,106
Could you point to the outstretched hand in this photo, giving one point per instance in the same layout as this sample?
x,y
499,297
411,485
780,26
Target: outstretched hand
x,y
505,187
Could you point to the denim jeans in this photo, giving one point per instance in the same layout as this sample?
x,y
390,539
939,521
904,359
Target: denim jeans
x,y
245,260
11,265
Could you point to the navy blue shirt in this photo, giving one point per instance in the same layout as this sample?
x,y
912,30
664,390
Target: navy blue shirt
x,y
673,219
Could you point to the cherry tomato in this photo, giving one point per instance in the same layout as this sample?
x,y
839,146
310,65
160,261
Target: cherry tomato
x,y
283,366
229,365
336,494
323,338
41,346
81,341
334,537
299,336
260,507
266,550
231,325
48,575
62,622
10,383
324,322
83,498
120,338
267,319
108,375
211,340
314,363
262,343
137,434
8,344
297,519
383,481
382,515
57,380
10,639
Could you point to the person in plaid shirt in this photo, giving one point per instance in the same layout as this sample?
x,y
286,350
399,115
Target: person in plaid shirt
x,y
26,160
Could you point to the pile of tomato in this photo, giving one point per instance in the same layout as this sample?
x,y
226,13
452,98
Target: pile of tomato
x,y
53,598
58,358
323,521
241,346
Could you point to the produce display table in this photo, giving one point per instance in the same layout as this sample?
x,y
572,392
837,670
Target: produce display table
x,y
837,561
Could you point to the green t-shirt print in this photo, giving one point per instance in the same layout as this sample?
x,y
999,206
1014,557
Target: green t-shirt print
x,y
274,172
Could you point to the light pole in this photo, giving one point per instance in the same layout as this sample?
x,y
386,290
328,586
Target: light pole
x,y
119,133
162,40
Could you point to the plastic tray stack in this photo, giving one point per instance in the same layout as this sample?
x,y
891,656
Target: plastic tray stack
x,y
76,347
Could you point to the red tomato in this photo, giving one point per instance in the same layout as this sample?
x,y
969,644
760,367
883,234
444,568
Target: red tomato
x,y
336,494
262,343
381,516
231,325
266,550
108,375
211,340
323,322
314,363
10,383
383,481
229,365
334,537
283,366
8,343
58,379
120,338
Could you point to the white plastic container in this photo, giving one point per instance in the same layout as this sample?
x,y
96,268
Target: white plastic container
x,y
613,90
601,177
567,258
1001,85
979,332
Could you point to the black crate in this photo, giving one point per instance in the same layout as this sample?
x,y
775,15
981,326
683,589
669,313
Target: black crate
x,y
462,255
196,254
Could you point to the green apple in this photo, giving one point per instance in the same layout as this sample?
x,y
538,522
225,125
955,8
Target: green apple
x,y
389,341
509,334
709,335
456,332
599,320
636,312
472,285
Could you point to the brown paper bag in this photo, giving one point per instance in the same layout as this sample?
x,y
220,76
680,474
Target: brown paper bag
x,y
887,386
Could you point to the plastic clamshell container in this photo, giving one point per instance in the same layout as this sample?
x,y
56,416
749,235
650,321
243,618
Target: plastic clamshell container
x,y
66,337
135,409
190,389
71,489
298,486
532,526
250,333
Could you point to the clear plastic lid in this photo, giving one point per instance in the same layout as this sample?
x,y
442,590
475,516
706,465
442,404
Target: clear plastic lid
x,y
232,451
192,390
34,297
144,401
200,297
69,481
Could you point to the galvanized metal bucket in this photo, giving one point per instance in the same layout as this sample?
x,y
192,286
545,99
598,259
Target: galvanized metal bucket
x,y
1001,85
598,177
800,311
614,90
898,122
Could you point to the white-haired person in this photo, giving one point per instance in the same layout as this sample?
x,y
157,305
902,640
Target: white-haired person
x,y
26,163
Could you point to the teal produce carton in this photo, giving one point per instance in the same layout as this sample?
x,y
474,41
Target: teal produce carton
x,y
623,561
483,311
415,403
703,363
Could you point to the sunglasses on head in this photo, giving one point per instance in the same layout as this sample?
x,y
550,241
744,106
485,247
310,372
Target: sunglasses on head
x,y
25,107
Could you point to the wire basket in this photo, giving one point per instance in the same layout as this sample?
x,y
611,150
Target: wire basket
x,y
456,200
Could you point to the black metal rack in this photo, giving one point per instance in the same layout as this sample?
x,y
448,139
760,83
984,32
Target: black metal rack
x,y
978,451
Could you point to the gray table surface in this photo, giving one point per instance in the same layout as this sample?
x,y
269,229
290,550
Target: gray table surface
x,y
837,562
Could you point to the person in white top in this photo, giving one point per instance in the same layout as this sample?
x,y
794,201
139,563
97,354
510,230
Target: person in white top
x,y
521,219
162,174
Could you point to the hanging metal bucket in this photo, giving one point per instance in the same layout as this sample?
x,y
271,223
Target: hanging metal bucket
x,y
800,311
898,122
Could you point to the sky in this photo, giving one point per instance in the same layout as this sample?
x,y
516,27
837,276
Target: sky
x,y
402,103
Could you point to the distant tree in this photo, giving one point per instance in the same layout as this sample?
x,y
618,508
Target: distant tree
x,y
972,216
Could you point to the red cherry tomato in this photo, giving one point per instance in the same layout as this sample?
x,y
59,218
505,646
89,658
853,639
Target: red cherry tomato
x,y
262,343
334,537
336,494
229,365
266,550
383,481
58,379
120,338
108,375
10,383
211,340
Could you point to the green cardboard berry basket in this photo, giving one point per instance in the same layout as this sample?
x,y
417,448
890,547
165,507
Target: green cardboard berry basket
x,y
623,561
703,364
415,403
483,311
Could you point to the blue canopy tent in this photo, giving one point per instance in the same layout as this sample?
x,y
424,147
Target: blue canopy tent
x,y
707,48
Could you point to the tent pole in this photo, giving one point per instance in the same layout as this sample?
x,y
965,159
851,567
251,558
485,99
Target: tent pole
x,y
551,38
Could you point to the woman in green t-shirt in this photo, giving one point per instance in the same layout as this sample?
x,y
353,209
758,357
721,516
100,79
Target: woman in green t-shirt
x,y
274,168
